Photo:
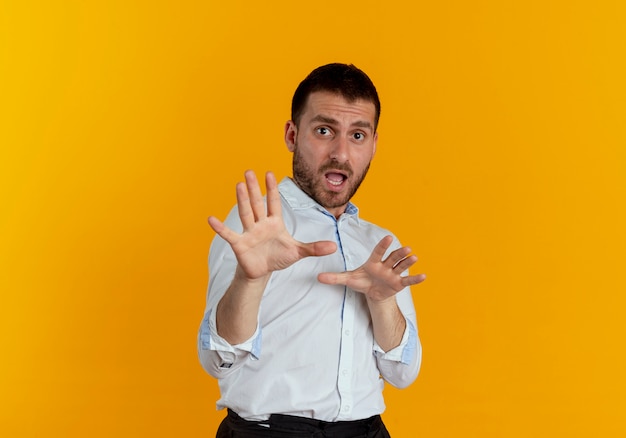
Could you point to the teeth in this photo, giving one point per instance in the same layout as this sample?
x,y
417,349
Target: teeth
x,y
336,182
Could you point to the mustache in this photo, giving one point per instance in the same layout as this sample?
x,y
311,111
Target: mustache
x,y
333,165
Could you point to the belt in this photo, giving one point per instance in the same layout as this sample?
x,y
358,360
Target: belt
x,y
283,425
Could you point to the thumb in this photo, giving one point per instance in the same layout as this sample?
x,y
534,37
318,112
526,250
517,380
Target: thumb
x,y
317,249
333,277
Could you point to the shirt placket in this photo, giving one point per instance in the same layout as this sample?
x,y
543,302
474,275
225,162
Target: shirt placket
x,y
346,356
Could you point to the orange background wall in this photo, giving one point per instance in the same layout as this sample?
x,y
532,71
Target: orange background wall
x,y
501,161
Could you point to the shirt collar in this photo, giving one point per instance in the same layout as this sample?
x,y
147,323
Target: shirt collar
x,y
298,200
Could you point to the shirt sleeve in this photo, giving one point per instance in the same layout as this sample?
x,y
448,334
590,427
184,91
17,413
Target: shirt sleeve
x,y
400,365
217,356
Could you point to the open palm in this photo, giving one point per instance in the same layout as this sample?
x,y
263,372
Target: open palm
x,y
378,279
264,245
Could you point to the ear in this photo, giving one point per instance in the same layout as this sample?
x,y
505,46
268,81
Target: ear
x,y
375,141
291,134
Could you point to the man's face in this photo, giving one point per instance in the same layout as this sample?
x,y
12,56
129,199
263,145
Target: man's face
x,y
333,145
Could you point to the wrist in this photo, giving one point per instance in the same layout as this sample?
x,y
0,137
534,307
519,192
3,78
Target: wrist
x,y
389,302
243,279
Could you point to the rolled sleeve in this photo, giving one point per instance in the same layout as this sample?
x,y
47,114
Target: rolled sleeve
x,y
405,352
218,357
400,365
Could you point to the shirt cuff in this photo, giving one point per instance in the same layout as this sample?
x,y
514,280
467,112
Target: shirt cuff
x,y
210,340
404,352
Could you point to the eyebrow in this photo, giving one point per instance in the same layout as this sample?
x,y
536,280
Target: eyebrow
x,y
331,121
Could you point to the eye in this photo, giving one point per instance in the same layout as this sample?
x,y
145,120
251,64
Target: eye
x,y
359,136
323,131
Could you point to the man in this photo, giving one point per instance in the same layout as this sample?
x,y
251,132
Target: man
x,y
301,335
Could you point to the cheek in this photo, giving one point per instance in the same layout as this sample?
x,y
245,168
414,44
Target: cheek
x,y
314,152
363,157
308,156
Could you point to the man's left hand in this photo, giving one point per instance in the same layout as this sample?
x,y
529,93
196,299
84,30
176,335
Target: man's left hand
x,y
378,279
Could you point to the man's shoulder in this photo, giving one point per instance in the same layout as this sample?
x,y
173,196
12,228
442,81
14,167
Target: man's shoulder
x,y
371,226
371,229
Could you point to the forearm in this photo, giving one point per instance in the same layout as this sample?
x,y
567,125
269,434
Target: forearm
x,y
237,311
388,322
400,366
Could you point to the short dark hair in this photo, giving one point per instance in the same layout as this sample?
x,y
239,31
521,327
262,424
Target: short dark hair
x,y
342,79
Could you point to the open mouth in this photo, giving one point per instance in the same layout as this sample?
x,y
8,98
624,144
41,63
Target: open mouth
x,y
335,179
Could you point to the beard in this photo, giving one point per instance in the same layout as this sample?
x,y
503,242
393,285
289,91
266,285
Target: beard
x,y
311,181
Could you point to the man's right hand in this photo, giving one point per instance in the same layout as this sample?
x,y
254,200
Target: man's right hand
x,y
264,246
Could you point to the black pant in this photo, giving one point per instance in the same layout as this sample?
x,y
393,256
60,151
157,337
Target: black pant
x,y
287,426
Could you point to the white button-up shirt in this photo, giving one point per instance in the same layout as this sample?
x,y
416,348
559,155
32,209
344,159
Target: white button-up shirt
x,y
313,354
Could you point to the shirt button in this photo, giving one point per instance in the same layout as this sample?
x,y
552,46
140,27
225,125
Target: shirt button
x,y
347,332
346,408
344,372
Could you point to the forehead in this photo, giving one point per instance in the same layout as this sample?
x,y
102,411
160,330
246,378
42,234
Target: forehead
x,y
325,103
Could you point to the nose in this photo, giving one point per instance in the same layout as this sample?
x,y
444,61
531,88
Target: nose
x,y
339,150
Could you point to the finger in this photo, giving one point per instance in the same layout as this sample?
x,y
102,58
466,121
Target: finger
x,y
333,278
405,263
243,205
216,224
256,198
413,279
222,230
317,249
380,249
398,255
273,196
